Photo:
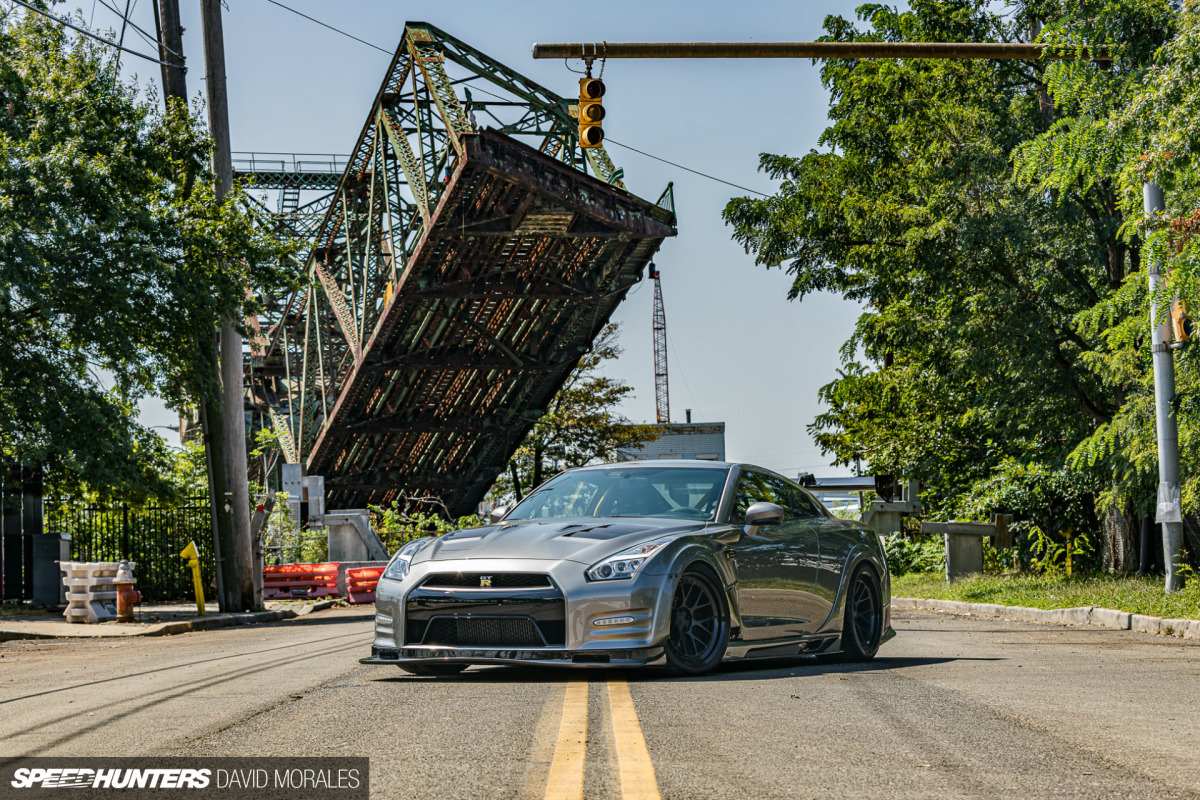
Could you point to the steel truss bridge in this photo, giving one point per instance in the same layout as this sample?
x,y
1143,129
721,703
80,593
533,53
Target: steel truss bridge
x,y
468,254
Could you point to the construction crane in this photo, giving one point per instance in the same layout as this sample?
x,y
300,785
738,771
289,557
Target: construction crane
x,y
662,399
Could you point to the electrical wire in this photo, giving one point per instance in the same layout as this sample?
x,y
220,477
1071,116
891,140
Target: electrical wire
x,y
88,33
679,369
485,91
149,37
327,25
689,169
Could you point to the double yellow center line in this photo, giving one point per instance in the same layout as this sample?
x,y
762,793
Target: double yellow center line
x,y
565,781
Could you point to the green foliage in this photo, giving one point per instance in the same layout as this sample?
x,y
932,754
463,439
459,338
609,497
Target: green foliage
x,y
581,425
987,215
114,256
189,474
971,282
1053,511
406,519
907,554
1054,557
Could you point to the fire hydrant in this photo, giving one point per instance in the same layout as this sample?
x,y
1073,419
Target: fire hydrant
x,y
127,596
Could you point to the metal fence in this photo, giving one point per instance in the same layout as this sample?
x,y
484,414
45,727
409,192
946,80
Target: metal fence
x,y
153,536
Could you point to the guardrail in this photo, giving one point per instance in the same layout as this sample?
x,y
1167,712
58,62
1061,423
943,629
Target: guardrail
x,y
305,163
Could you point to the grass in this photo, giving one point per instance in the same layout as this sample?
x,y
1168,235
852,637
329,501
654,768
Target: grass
x,y
1137,595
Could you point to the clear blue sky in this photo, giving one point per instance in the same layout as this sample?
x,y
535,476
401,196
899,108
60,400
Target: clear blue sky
x,y
740,351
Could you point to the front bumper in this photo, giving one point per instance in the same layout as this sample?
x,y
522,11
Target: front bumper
x,y
640,657
565,614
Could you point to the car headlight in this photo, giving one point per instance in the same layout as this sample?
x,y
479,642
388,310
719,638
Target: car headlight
x,y
625,564
398,567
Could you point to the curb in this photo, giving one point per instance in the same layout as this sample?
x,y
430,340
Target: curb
x,y
173,628
1082,615
217,621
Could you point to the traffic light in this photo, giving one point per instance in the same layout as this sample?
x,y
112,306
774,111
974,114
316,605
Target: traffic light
x,y
590,112
1181,323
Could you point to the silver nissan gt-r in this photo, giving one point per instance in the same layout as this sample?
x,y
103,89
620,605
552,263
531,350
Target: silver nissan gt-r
x,y
675,563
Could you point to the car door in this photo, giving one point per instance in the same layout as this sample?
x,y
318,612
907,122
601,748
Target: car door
x,y
828,556
777,568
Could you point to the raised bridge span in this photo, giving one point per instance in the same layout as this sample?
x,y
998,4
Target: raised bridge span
x,y
455,268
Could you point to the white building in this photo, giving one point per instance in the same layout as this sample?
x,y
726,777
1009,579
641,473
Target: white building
x,y
704,441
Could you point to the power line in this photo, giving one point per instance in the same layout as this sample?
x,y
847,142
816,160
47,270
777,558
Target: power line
x,y
485,91
327,25
88,33
149,37
689,169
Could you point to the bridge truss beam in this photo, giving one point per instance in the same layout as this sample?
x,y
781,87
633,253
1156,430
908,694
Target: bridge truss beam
x,y
452,280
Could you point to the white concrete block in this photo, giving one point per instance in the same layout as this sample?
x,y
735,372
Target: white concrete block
x,y
91,593
1110,618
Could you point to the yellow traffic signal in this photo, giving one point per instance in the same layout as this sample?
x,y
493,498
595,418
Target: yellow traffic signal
x,y
1181,323
591,112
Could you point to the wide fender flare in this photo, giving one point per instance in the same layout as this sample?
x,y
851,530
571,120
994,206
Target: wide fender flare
x,y
861,554
686,552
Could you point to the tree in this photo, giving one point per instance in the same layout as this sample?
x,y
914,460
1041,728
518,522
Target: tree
x,y
580,427
977,283
114,256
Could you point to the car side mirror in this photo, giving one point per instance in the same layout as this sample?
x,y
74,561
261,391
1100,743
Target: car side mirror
x,y
497,513
762,515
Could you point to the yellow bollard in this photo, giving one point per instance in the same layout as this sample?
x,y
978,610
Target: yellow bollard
x,y
193,558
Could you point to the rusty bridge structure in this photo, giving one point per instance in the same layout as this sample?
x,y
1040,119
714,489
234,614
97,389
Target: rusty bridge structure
x,y
453,270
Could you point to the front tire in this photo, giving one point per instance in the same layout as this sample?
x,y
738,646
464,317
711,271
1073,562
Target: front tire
x,y
433,669
862,622
699,625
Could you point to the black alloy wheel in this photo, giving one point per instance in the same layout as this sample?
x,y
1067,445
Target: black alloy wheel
x,y
699,625
433,669
862,625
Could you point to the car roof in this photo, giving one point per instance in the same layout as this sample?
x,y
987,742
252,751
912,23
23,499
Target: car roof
x,y
643,463
692,463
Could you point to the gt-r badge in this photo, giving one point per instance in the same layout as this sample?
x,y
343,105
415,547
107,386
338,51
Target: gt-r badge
x,y
485,581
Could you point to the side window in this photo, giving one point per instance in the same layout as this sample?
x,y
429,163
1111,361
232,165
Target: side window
x,y
802,505
755,487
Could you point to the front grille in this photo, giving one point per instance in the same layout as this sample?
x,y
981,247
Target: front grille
x,y
487,580
483,632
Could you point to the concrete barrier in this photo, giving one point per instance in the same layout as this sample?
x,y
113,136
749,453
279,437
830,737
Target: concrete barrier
x,y
91,591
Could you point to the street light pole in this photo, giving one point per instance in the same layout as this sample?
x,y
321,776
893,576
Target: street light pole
x,y
1169,510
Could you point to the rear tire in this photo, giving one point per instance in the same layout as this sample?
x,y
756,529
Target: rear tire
x,y
433,669
699,625
862,622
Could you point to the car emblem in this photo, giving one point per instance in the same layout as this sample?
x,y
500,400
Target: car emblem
x,y
485,581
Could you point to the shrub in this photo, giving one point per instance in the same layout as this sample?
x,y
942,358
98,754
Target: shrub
x,y
914,554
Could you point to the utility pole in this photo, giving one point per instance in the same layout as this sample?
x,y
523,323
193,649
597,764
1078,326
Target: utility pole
x,y
170,49
1169,510
235,504
174,79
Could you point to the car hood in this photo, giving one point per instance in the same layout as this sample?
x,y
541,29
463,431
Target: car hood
x,y
585,540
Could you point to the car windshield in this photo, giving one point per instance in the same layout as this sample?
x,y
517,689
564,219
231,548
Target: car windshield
x,y
691,493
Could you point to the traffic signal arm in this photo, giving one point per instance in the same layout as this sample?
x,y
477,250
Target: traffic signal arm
x,y
968,50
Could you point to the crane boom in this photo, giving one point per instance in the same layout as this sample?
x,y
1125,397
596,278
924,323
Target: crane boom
x,y
659,322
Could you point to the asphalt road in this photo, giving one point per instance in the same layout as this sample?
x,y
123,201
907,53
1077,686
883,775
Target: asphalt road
x,y
953,707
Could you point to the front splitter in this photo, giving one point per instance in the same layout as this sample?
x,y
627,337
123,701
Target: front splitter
x,y
642,657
